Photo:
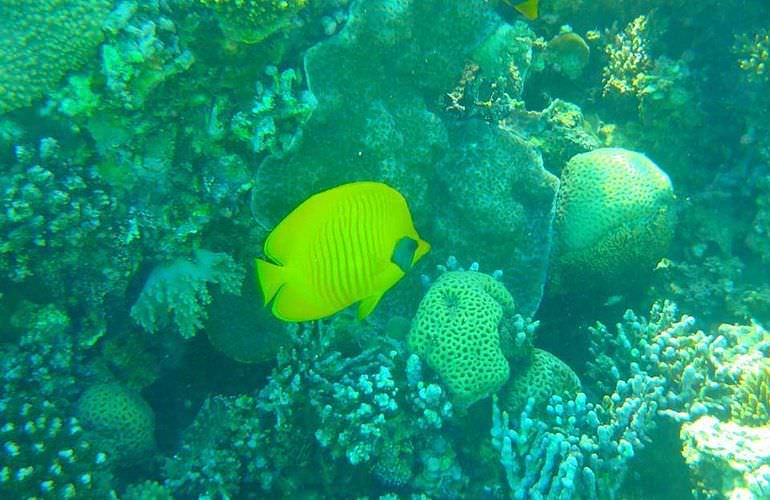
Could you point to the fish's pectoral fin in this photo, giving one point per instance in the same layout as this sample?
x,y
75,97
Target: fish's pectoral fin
x,y
367,305
403,253
271,278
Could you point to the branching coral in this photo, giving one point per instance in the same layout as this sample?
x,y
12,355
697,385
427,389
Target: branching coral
x,y
753,51
629,59
370,413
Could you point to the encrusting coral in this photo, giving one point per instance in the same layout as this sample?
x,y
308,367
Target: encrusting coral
x,y
252,21
42,41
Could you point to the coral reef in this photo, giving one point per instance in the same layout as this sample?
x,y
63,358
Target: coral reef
x,y
148,147
47,455
498,192
365,414
568,53
728,460
629,60
274,121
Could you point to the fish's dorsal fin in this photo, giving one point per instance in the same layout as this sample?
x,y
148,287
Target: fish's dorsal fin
x,y
367,305
528,9
403,253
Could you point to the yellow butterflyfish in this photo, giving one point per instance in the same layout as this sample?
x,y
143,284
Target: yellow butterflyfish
x,y
345,245
528,8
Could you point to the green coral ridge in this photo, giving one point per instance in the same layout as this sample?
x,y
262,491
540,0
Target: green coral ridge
x,y
463,326
546,376
42,41
120,421
252,21
614,218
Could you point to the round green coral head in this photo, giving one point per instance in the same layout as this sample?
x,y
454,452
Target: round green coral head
x,y
119,421
546,376
614,219
462,328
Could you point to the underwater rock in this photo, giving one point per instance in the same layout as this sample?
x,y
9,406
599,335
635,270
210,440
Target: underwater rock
x,y
497,193
240,328
375,81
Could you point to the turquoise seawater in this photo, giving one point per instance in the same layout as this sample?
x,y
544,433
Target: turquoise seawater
x,y
508,249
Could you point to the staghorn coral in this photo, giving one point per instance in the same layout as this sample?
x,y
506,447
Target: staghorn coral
x,y
252,21
42,41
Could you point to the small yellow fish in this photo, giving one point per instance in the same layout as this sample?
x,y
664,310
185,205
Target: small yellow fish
x,y
348,244
527,8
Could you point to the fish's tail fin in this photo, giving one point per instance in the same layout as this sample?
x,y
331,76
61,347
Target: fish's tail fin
x,y
271,278
527,8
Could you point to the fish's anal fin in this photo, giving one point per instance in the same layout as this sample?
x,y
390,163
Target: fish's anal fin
x,y
528,9
367,305
271,278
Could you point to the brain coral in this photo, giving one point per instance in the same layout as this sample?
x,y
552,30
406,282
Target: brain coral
x,y
546,376
252,21
614,218
42,41
119,420
462,328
